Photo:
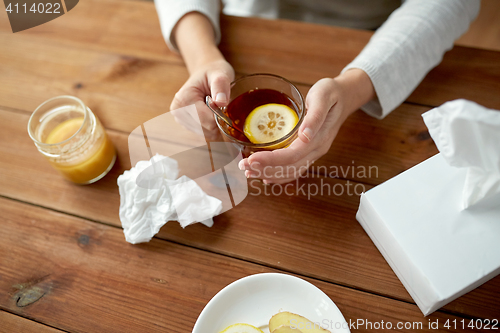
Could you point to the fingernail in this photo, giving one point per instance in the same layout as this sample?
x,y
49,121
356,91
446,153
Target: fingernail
x,y
250,174
308,133
265,181
241,165
221,97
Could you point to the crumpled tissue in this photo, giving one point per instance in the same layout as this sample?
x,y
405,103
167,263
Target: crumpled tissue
x,y
468,136
151,195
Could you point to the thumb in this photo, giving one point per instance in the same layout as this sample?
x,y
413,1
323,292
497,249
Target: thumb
x,y
319,101
220,83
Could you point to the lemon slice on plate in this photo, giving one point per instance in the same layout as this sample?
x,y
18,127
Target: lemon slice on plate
x,y
269,122
242,328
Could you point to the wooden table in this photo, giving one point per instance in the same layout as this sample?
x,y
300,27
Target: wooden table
x,y
64,262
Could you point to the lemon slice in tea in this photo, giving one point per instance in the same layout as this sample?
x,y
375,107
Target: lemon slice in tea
x,y
242,328
269,122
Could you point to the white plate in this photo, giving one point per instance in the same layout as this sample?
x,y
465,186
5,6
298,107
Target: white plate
x,y
256,298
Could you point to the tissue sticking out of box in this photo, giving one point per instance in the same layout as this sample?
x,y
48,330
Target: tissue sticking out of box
x,y
468,136
151,194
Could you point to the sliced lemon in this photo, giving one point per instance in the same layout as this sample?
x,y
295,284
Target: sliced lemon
x,y
269,122
242,328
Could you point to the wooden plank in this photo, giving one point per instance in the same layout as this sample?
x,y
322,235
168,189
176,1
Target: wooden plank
x,y
126,92
337,250
301,52
123,92
305,53
87,278
467,73
47,78
12,323
333,246
484,32
129,28
382,148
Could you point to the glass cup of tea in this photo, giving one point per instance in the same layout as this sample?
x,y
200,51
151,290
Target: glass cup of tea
x,y
265,111
72,139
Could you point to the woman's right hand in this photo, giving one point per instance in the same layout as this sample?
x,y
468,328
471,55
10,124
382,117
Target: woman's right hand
x,y
214,79
210,73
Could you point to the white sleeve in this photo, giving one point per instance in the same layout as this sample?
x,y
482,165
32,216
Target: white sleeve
x,y
408,45
171,11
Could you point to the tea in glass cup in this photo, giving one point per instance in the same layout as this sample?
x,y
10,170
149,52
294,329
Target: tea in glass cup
x,y
72,139
266,111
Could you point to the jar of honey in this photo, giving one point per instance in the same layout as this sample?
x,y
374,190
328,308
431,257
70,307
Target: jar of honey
x,y
72,139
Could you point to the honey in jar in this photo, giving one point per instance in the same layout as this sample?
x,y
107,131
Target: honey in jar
x,y
73,140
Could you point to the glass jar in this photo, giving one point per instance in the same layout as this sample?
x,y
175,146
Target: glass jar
x,y
72,139
263,81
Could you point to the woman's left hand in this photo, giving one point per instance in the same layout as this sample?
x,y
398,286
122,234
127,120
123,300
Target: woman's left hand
x,y
329,102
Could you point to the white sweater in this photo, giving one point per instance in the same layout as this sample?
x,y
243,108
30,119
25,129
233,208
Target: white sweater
x,y
401,52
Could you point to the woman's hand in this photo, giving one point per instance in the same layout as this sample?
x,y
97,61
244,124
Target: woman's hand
x,y
214,79
329,102
210,73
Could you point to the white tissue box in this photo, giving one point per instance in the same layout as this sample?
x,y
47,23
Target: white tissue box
x,y
437,250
